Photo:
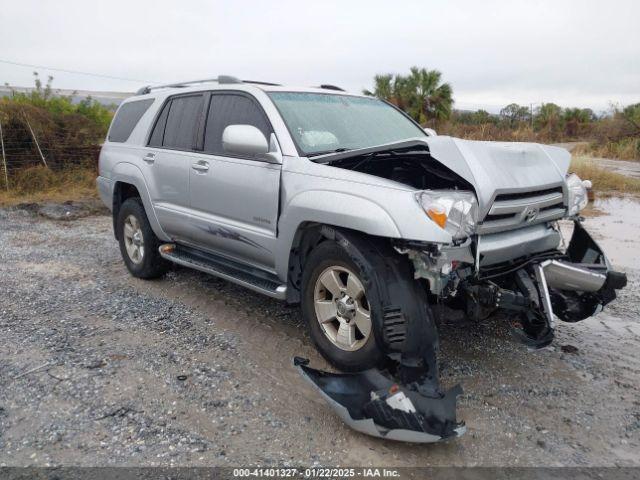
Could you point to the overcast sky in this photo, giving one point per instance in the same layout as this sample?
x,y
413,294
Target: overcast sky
x,y
574,53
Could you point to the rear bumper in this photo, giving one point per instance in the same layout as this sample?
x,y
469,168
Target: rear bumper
x,y
105,191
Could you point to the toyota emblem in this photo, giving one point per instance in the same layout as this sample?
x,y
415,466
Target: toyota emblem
x,y
530,214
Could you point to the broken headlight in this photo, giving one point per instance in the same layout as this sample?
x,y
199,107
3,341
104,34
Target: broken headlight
x,y
577,198
456,212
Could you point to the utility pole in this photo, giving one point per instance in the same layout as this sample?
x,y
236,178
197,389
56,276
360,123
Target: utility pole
x,y
4,160
531,114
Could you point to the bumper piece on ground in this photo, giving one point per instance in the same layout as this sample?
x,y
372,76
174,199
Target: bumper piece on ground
x,y
374,404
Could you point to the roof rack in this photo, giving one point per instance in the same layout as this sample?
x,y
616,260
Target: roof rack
x,y
221,79
331,87
257,82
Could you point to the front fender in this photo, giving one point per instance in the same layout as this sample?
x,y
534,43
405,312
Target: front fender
x,y
129,173
330,208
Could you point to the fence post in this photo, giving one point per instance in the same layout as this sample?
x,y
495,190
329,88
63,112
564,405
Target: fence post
x,y
35,140
4,160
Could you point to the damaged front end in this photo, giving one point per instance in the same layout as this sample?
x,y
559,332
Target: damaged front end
x,y
405,401
500,205
532,289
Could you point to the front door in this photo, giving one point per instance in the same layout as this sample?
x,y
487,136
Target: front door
x,y
234,200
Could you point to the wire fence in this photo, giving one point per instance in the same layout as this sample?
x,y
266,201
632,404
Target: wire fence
x,y
30,138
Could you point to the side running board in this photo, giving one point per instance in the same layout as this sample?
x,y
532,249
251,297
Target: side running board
x,y
251,278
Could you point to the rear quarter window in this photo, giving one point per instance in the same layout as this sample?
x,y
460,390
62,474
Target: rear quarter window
x,y
126,119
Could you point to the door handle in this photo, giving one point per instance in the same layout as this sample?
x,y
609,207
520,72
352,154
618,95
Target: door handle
x,y
201,166
149,157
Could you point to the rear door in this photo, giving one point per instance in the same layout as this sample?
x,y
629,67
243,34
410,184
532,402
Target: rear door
x,y
235,199
168,160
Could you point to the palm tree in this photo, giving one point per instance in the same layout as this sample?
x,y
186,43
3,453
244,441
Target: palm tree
x,y
420,93
576,119
432,100
383,86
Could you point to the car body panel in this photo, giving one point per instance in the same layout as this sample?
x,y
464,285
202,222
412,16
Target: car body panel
x,y
234,206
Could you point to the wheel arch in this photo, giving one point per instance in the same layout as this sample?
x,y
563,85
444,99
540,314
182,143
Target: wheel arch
x,y
307,237
129,182
317,208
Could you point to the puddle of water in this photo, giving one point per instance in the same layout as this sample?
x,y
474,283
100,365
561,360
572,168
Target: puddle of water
x,y
615,223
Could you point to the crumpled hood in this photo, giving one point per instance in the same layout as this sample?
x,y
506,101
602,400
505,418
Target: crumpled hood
x,y
501,167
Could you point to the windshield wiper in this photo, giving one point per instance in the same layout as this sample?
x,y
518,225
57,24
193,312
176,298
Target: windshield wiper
x,y
337,150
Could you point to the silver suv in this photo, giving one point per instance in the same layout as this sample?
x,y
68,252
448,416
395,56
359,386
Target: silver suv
x,y
342,203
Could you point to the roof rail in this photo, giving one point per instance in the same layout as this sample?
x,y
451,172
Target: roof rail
x,y
219,79
331,87
257,82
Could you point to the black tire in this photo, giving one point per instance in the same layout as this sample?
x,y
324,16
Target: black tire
x,y
326,255
151,265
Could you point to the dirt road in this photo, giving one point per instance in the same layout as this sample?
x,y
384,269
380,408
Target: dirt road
x,y
623,167
99,368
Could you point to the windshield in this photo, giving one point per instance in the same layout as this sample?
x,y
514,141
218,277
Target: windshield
x,y
323,123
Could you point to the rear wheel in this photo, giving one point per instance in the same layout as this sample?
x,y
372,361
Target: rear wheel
x,y
138,244
337,310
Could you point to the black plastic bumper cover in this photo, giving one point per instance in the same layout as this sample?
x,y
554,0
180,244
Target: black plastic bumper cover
x,y
353,397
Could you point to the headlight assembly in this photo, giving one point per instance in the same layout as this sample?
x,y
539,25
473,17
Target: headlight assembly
x,y
456,212
577,198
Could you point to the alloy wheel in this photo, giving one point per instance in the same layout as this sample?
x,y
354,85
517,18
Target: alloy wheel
x,y
342,309
133,239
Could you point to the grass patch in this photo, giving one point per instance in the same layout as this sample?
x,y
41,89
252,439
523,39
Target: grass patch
x,y
41,184
625,149
603,180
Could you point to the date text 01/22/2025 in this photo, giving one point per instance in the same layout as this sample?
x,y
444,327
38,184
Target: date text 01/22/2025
x,y
318,472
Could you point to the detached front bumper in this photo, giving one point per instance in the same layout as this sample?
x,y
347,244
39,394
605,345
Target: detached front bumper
x,y
373,404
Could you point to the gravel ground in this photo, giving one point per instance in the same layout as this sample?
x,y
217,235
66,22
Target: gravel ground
x,y
99,368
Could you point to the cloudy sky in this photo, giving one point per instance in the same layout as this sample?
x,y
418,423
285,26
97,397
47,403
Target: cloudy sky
x,y
574,53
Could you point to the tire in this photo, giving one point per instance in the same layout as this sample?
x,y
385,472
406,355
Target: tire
x,y
147,263
326,262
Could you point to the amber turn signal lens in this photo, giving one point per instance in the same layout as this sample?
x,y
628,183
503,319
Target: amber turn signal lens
x,y
438,214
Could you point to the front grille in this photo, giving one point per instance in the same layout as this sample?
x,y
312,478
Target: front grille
x,y
520,209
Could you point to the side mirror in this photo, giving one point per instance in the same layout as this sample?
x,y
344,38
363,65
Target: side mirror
x,y
431,132
244,140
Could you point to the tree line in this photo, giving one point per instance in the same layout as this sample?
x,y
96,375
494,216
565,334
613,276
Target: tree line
x,y
424,96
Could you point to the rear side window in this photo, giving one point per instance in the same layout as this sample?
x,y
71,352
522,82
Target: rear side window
x,y
225,110
177,124
158,130
127,118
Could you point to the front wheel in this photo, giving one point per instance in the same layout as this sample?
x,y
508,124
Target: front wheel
x,y
336,309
